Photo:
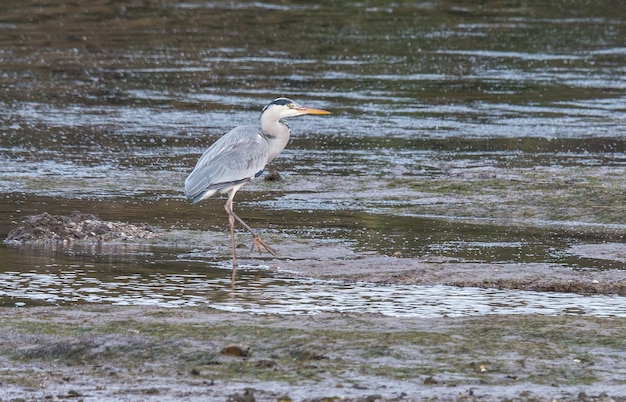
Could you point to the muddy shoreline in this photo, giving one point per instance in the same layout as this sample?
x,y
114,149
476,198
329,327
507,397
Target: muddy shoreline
x,y
413,271
320,260
102,352
108,353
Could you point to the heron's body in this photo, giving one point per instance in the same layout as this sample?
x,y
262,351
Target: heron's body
x,y
232,160
241,155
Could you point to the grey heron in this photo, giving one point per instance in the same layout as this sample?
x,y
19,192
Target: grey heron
x,y
241,155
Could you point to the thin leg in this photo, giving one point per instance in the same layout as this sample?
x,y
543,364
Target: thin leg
x,y
231,220
232,216
255,237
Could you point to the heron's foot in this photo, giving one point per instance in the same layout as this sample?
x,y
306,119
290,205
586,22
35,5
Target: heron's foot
x,y
258,243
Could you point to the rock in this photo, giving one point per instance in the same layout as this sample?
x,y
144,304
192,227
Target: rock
x,y
47,228
273,176
236,350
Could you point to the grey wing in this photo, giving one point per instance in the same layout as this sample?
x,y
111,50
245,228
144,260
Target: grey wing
x,y
236,157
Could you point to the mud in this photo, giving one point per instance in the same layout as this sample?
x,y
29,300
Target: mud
x,y
46,228
536,277
124,353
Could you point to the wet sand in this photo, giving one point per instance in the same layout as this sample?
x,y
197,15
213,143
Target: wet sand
x,y
108,353
337,262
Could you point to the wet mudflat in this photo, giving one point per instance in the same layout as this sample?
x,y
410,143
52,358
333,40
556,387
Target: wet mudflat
x,y
475,163
111,353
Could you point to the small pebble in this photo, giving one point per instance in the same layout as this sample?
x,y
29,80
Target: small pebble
x,y
235,350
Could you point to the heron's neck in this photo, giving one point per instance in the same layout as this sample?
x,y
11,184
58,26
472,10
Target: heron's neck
x,y
278,133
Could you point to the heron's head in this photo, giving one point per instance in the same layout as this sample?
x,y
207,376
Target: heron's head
x,y
281,108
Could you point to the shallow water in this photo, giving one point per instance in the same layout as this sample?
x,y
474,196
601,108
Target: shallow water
x,y
471,132
182,282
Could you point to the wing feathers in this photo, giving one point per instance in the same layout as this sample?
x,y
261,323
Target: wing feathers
x,y
233,159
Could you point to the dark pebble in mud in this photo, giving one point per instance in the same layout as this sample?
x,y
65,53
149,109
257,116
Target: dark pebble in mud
x,y
273,176
236,350
47,228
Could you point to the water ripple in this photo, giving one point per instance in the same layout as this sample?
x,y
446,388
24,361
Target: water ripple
x,y
293,296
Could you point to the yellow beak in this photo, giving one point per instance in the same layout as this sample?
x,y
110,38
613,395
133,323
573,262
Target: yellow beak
x,y
308,110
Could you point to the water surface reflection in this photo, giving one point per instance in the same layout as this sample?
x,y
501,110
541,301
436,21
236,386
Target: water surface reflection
x,y
256,293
